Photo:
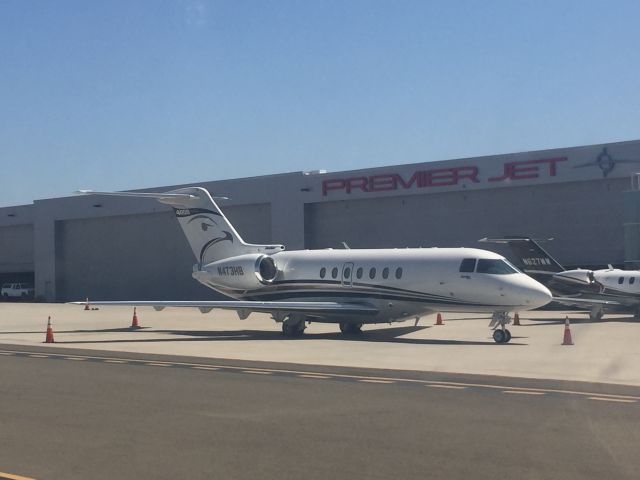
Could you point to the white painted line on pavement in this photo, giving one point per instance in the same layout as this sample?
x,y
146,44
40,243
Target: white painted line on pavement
x,y
619,400
269,371
523,392
452,387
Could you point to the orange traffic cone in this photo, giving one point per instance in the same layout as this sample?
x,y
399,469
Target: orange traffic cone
x,y
134,322
516,320
439,320
567,333
86,305
49,337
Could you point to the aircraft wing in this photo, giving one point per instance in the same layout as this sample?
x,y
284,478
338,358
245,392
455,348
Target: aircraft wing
x,y
586,302
318,309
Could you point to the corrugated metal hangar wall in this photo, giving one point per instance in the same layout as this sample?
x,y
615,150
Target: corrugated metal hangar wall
x,y
584,218
123,248
148,259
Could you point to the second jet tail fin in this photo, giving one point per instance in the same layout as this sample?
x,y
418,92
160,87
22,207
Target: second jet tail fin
x,y
531,258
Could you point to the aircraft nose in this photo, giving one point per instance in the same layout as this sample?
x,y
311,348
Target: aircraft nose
x,y
535,294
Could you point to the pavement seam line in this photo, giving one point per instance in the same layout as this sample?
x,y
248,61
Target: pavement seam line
x,y
358,377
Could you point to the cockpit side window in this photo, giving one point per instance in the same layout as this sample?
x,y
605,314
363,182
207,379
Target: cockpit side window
x,y
495,267
468,265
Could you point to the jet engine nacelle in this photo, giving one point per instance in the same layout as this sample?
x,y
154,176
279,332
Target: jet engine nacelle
x,y
245,272
582,279
578,276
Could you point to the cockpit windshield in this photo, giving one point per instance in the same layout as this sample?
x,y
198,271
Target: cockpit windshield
x,y
495,267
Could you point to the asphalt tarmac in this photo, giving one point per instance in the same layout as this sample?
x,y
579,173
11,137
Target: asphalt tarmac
x,y
79,414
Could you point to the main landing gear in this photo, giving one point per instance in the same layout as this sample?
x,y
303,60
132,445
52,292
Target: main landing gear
x,y
293,326
499,321
350,328
596,313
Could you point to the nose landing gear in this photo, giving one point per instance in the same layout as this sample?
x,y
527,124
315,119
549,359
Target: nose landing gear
x,y
499,321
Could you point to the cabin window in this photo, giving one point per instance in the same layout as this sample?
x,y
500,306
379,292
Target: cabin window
x,y
359,272
495,267
399,273
632,280
334,272
346,273
385,273
468,265
323,272
621,280
372,273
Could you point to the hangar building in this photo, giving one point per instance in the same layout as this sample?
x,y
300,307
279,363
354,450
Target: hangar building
x,y
115,248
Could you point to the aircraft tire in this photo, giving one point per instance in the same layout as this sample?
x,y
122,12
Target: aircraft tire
x,y
507,336
292,328
596,314
350,328
499,336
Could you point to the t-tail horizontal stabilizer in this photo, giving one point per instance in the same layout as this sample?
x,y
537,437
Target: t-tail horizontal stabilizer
x,y
209,232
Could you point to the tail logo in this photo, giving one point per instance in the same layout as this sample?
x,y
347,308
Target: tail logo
x,y
212,242
203,225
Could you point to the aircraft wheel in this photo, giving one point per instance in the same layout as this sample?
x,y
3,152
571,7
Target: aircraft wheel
x,y
499,336
596,314
350,328
507,334
293,328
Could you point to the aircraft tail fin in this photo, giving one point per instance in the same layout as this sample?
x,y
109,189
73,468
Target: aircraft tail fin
x,y
209,233
531,257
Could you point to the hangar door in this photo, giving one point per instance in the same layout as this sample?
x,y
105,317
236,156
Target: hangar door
x,y
585,218
16,254
144,257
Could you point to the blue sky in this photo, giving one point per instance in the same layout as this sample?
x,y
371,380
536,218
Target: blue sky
x,y
133,94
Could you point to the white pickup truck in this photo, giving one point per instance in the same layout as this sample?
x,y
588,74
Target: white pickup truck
x,y
16,290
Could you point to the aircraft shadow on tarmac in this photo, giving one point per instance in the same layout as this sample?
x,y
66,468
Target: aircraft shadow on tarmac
x,y
538,322
383,335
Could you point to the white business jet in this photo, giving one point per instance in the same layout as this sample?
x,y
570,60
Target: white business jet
x,y
350,287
